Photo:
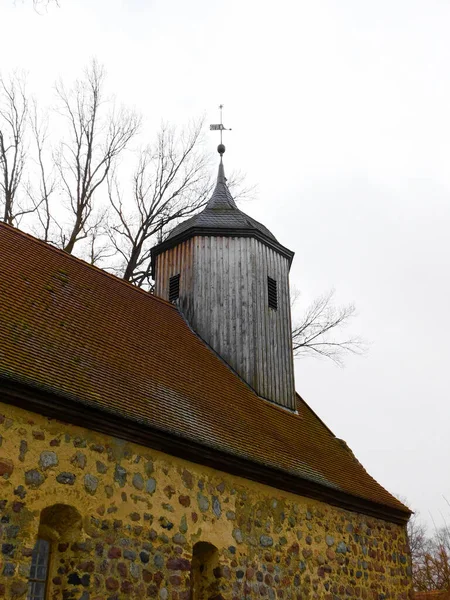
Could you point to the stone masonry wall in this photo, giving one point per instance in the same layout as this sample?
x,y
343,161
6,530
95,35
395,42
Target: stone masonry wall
x,y
141,513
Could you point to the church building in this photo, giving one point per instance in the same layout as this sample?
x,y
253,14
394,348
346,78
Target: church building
x,y
154,446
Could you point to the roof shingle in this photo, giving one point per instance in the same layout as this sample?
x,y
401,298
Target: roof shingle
x,y
221,212
76,331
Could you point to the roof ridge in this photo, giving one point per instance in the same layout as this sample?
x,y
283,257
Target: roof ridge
x,y
52,248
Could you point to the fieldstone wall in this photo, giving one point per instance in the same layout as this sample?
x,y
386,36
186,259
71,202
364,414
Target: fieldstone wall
x,y
141,513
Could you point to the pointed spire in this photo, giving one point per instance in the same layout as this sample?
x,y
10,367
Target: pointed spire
x,y
221,214
221,197
221,175
221,150
221,189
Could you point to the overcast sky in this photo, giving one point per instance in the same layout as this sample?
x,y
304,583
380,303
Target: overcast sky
x,y
340,113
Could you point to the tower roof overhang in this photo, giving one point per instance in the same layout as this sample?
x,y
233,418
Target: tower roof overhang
x,y
220,218
194,231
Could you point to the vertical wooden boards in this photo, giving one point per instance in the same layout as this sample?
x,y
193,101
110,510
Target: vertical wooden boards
x,y
224,295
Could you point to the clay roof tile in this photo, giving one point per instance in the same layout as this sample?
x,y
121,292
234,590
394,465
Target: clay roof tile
x,y
79,332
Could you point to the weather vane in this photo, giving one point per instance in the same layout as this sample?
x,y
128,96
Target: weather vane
x,y
221,128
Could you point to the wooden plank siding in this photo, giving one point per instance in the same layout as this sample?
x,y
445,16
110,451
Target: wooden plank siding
x,y
224,296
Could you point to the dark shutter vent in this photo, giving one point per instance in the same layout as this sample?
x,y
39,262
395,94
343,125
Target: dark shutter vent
x,y
273,293
174,288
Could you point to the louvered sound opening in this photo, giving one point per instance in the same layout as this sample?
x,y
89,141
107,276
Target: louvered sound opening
x,y
273,293
174,288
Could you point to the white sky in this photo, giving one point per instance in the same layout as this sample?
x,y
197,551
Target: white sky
x,y
340,112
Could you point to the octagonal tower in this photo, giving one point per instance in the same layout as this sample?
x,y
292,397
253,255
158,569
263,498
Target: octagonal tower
x,y
230,278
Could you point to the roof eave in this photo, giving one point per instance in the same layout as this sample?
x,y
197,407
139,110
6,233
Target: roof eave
x,y
219,232
83,414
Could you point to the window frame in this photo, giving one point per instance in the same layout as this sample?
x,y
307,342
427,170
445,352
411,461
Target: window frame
x,y
31,595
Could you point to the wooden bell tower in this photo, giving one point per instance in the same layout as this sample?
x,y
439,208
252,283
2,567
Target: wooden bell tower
x,y
230,278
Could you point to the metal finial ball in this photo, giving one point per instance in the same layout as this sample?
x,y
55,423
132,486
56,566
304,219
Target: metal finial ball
x,y
220,149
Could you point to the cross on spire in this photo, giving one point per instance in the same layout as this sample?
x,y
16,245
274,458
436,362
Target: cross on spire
x,y
221,128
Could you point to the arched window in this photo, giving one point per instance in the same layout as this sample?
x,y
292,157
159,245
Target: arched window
x,y
59,522
205,558
39,570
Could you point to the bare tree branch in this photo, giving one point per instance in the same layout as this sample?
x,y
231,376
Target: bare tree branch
x,y
430,555
44,4
240,189
171,182
97,137
13,151
41,193
41,4
99,248
431,558
319,331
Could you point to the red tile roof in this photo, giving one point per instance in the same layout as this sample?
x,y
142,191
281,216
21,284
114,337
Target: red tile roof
x,y
76,331
432,595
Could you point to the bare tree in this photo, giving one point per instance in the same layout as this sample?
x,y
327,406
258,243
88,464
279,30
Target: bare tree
x,y
171,182
430,555
97,136
417,537
431,562
44,3
45,185
319,331
441,558
13,125
39,4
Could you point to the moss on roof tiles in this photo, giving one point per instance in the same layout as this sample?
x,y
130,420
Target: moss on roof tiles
x,y
103,342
